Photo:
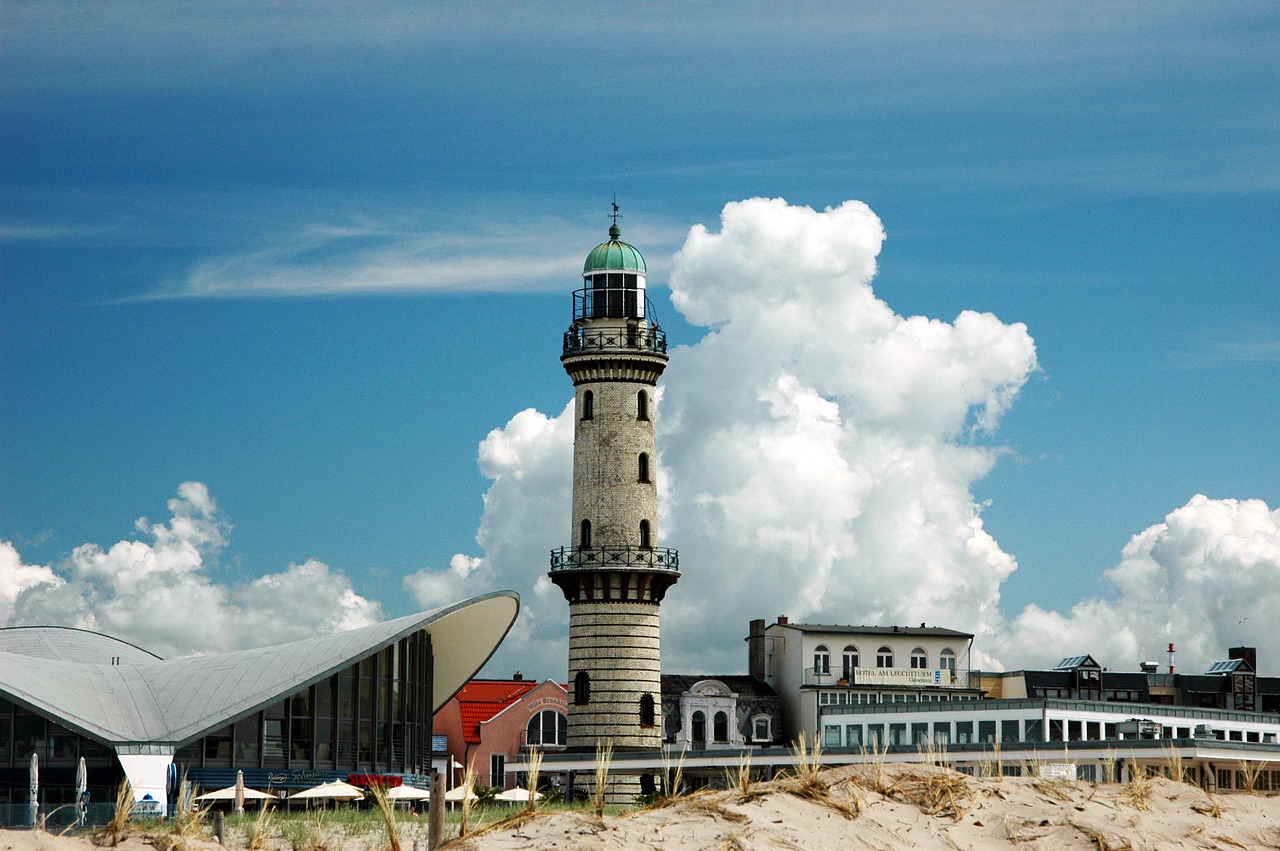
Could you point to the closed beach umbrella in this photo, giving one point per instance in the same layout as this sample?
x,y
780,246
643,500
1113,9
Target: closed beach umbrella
x,y
82,786
35,787
239,807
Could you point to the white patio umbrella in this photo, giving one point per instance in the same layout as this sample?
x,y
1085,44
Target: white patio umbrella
x,y
517,794
82,785
239,799
405,792
335,790
229,794
35,788
458,793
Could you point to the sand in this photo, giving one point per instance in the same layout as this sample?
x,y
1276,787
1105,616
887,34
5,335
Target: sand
x,y
857,807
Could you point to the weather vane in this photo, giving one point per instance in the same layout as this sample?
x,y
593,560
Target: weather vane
x,y
615,208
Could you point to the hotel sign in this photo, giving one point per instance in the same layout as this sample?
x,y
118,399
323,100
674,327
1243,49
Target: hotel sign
x,y
913,677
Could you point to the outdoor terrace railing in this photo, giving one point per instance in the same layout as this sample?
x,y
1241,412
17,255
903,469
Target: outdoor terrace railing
x,y
606,558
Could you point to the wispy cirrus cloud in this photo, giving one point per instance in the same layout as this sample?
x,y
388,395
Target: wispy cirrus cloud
x,y
368,256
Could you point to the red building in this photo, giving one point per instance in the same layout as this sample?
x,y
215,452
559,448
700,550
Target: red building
x,y
491,722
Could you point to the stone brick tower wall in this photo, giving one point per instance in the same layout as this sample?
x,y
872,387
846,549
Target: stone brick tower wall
x,y
614,575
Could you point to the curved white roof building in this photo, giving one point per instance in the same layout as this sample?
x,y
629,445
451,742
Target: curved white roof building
x,y
352,702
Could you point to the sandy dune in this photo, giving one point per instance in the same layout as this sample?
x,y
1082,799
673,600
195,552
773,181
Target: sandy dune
x,y
860,807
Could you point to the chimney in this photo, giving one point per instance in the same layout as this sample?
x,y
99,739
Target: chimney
x,y
755,649
518,677
782,619
1171,652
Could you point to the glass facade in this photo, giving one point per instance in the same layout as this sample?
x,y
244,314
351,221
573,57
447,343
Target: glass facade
x,y
373,717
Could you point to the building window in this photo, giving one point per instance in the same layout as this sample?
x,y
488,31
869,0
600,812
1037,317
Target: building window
x,y
919,659
497,769
644,534
642,405
884,657
588,405
821,660
850,662
584,538
763,729
581,688
721,727
647,714
698,723
548,729
947,661
644,467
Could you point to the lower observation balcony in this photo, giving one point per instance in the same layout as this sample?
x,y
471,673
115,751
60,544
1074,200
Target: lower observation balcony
x,y
615,558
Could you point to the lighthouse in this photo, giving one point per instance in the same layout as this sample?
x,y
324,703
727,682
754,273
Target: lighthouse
x,y
613,574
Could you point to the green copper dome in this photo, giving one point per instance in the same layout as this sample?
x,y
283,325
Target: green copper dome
x,y
614,256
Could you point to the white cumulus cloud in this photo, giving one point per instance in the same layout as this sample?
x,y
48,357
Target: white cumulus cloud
x,y
156,592
1205,579
817,450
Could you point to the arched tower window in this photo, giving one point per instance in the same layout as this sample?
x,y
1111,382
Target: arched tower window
x,y
642,405
588,405
647,714
919,659
584,538
581,688
850,662
644,466
720,727
821,660
645,543
884,657
698,721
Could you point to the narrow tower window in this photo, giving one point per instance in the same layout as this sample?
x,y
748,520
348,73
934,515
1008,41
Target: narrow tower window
x,y
588,405
581,688
644,466
584,539
644,535
642,405
647,715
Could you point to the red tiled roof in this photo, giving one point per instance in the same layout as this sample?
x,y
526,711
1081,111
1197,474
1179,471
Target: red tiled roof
x,y
480,700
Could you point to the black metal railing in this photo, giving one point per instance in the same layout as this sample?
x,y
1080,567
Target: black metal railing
x,y
607,558
649,338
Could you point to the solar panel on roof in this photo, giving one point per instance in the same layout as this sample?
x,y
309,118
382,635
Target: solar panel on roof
x,y
1224,667
1071,663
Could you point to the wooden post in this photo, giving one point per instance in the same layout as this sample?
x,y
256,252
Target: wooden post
x,y
435,813
217,827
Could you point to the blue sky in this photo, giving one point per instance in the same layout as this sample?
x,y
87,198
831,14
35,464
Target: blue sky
x,y
310,256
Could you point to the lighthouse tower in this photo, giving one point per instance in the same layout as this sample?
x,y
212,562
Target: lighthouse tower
x,y
614,575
